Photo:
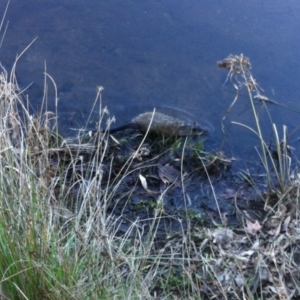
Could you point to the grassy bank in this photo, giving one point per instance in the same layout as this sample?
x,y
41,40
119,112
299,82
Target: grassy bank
x,y
51,249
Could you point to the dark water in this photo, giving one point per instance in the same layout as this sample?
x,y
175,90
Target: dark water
x,y
150,54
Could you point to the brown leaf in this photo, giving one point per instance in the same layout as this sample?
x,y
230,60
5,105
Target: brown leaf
x,y
168,174
252,228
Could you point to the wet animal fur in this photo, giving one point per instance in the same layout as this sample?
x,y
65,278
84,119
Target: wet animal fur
x,y
162,124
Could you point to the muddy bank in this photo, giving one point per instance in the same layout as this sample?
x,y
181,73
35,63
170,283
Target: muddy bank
x,y
177,180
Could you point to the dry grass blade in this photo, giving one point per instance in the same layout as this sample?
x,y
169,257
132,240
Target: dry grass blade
x,y
239,74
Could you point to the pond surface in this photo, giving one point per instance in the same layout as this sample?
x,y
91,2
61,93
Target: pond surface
x,y
158,54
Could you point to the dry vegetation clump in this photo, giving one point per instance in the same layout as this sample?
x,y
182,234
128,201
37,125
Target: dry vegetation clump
x,y
265,255
66,231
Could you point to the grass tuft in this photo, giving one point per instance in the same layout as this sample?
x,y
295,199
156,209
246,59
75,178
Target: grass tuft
x,y
275,161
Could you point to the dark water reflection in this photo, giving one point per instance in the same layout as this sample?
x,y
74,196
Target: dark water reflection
x,y
157,54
